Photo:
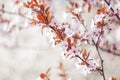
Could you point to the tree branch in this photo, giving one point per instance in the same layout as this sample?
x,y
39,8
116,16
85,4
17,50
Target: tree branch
x,y
112,9
82,60
97,48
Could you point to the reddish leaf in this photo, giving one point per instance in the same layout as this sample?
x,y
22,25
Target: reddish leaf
x,y
89,7
42,1
76,5
26,5
33,5
76,36
70,44
113,78
17,2
101,10
40,18
69,40
118,23
67,55
48,17
101,24
42,7
57,40
61,65
33,22
62,75
82,63
47,10
34,1
72,57
84,53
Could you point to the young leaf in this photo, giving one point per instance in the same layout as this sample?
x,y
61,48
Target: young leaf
x,y
89,7
40,18
48,17
113,78
102,10
26,5
84,53
101,24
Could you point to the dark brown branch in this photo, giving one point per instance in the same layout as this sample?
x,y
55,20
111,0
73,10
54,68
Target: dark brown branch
x,y
107,49
112,9
97,48
87,64
82,60
99,70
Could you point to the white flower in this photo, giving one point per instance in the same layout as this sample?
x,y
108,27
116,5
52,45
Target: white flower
x,y
74,50
83,69
65,15
64,45
93,64
77,10
69,32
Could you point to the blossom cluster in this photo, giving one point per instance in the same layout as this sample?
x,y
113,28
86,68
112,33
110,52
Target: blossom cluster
x,y
72,37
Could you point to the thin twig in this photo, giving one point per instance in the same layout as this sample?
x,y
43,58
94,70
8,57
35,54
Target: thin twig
x,y
112,9
82,60
97,48
87,64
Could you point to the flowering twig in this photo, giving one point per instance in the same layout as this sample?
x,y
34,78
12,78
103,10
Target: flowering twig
x,y
97,48
112,9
